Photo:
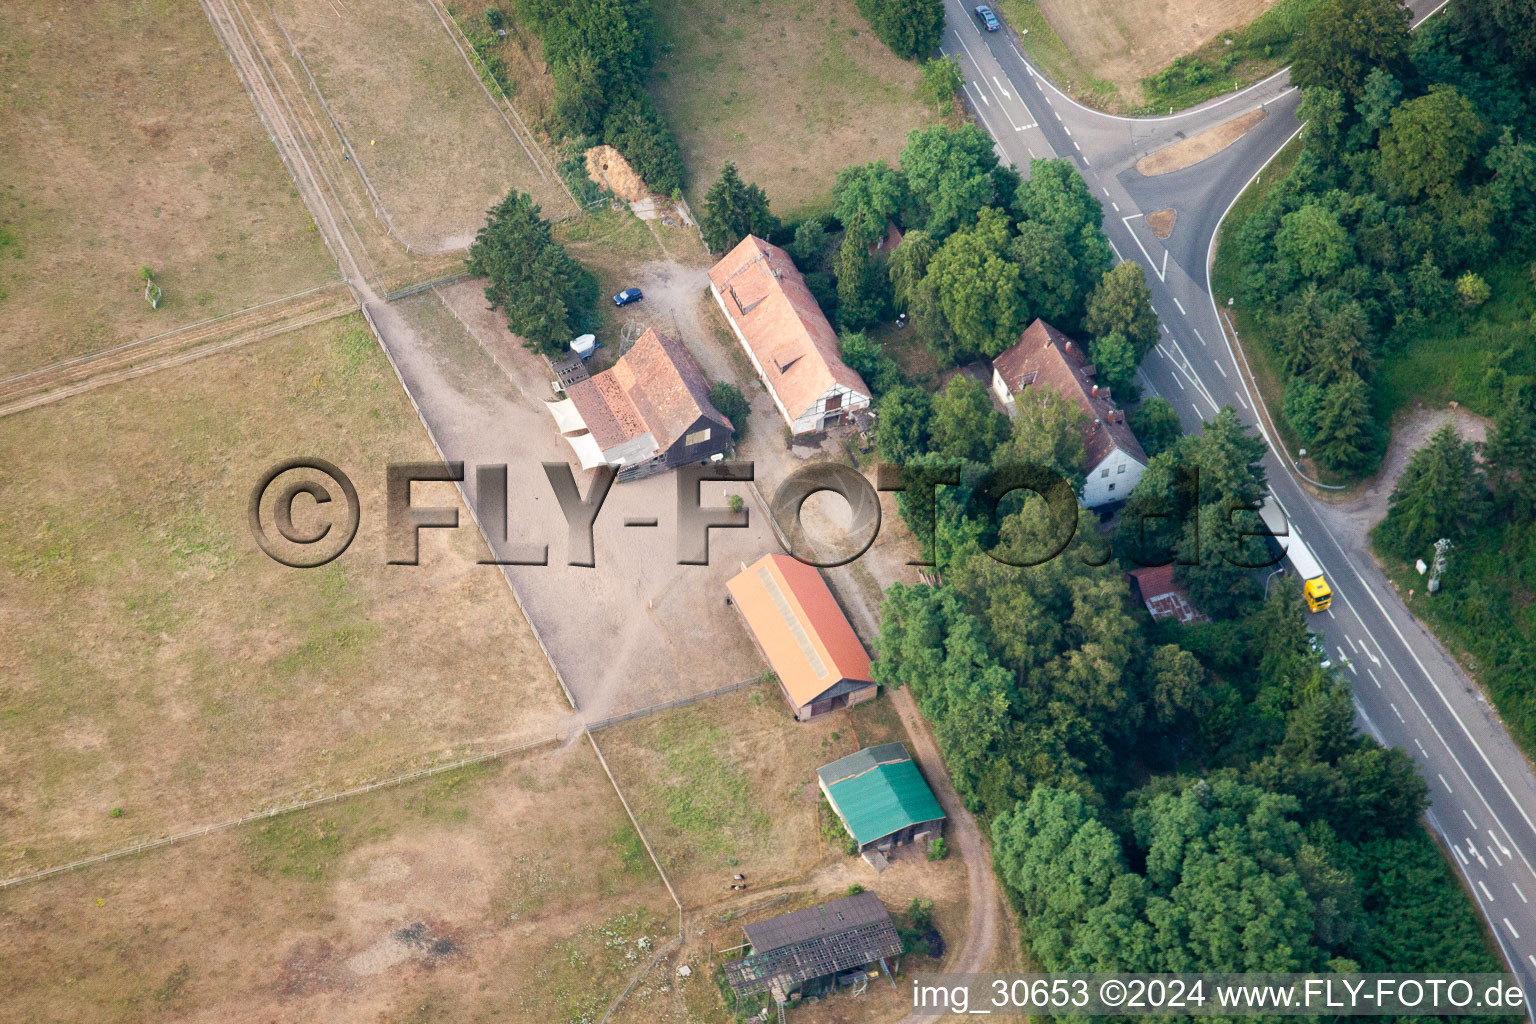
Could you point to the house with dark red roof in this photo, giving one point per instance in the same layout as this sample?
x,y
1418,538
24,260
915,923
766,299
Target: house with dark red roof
x,y
792,346
1046,359
1164,597
648,412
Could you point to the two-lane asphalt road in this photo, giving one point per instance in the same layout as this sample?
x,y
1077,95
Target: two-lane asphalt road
x,y
1408,692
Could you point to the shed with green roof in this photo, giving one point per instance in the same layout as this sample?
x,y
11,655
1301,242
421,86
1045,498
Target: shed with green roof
x,y
881,797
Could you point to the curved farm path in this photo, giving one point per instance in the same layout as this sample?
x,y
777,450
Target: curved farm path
x,y
984,924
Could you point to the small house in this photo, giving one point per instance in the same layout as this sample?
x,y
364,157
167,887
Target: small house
x,y
1164,597
881,798
1046,358
648,412
786,336
804,635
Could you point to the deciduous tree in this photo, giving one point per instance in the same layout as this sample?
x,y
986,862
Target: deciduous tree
x,y
1115,360
941,80
964,424
911,28
1428,143
949,173
1157,425
978,287
865,197
1122,304
1341,41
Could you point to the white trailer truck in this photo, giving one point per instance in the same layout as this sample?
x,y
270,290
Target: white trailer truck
x,y
1314,585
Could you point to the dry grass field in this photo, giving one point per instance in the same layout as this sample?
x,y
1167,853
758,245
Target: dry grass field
x,y
153,660
1103,51
126,141
532,90
728,786
1124,43
513,891
791,90
425,133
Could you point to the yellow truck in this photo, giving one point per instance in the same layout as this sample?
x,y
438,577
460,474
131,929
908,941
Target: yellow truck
x,y
1314,585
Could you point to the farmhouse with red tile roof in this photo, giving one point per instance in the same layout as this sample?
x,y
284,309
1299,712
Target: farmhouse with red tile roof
x,y
648,412
1046,358
788,339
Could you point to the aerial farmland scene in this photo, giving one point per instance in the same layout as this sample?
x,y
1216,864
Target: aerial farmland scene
x,y
746,511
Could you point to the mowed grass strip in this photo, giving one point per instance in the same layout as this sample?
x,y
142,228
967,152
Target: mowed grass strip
x,y
126,140
790,90
727,786
154,662
431,141
501,892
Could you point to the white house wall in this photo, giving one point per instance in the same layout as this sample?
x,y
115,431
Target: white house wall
x,y
1000,388
1112,479
810,421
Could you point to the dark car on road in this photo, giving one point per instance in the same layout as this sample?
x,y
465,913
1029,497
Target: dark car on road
x,y
627,296
987,18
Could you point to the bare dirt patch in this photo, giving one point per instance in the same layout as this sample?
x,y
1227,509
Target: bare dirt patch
x,y
607,167
1161,222
151,157
1362,508
1123,43
1192,150
790,91
635,629
153,660
423,130
514,891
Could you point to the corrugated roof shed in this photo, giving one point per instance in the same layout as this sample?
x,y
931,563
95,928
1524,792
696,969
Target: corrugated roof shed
x,y
878,791
793,948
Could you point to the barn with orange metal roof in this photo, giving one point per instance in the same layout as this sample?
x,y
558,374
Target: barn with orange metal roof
x,y
804,635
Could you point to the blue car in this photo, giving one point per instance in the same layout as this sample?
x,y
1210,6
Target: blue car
x,y
627,296
987,18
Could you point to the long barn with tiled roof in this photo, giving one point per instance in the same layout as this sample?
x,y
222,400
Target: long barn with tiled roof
x,y
787,337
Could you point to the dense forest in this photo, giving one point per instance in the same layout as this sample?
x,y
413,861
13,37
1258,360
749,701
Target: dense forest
x,y
1414,191
1163,797
1159,796
1397,262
